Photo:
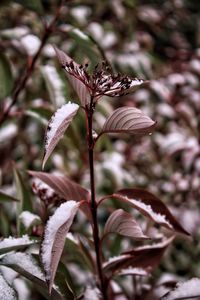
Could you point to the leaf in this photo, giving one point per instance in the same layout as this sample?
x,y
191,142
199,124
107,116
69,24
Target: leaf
x,y
146,257
123,223
128,120
63,186
54,84
54,238
79,87
11,243
57,127
26,265
35,5
133,272
6,291
29,219
184,290
150,206
6,198
23,195
6,77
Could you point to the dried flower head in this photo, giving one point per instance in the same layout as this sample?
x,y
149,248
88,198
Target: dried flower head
x,y
97,84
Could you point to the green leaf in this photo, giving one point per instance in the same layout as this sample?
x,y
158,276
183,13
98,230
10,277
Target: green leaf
x,y
35,5
24,196
6,78
41,114
6,198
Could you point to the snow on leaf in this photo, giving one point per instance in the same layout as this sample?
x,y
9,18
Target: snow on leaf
x,y
57,126
92,293
146,257
54,238
128,120
29,219
6,291
150,206
11,243
133,271
184,290
123,223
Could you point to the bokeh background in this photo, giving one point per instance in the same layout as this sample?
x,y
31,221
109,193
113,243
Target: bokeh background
x,y
154,40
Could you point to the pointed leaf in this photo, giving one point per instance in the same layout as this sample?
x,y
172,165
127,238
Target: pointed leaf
x,y
57,126
6,198
6,77
123,223
54,238
146,257
63,186
26,265
184,290
150,206
69,64
6,291
133,272
128,120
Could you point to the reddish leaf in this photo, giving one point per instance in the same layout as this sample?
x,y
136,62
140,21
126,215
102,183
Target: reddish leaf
x,y
146,257
65,188
150,206
74,70
123,223
128,120
57,126
54,238
133,271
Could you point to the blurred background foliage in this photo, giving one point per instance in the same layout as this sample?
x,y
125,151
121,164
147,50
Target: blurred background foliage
x,y
154,40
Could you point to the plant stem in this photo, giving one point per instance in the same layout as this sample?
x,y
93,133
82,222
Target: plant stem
x,y
93,202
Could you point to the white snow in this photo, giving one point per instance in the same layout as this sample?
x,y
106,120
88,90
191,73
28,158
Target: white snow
x,y
62,214
6,292
31,44
60,115
185,290
92,293
11,241
40,185
25,261
27,218
115,259
8,132
54,84
22,289
133,271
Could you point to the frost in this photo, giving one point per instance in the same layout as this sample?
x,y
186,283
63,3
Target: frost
x,y
57,119
39,185
133,271
31,43
27,218
185,290
25,261
64,212
157,217
11,241
6,292
92,293
54,84
8,132
115,259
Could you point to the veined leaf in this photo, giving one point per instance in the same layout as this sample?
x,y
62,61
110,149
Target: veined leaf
x,y
57,126
26,265
79,87
146,257
123,223
63,186
184,290
6,77
54,238
150,206
128,120
6,291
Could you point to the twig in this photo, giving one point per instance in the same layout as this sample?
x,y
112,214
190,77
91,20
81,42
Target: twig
x,y
22,83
